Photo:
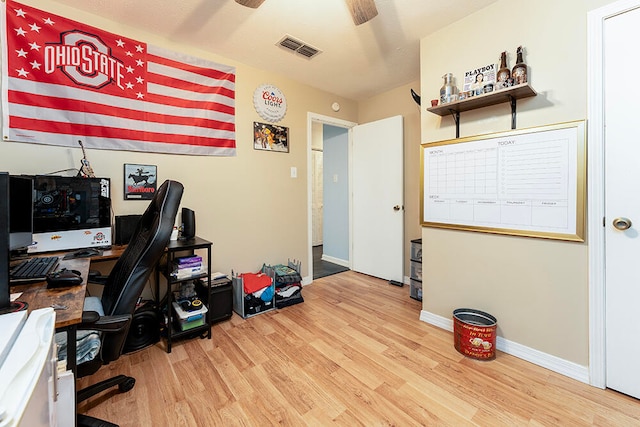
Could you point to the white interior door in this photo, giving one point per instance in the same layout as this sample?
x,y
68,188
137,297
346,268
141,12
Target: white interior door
x,y
622,203
378,199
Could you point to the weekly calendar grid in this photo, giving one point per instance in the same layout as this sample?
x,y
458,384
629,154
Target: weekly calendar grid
x,y
525,183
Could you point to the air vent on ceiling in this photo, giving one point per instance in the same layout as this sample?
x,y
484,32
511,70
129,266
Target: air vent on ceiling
x,y
298,47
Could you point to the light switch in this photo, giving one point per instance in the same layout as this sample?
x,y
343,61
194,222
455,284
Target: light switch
x,y
335,177
294,172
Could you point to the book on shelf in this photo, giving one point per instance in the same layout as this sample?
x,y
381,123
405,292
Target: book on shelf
x,y
218,275
189,265
186,273
188,259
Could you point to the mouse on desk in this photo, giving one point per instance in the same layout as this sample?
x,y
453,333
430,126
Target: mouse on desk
x,y
83,253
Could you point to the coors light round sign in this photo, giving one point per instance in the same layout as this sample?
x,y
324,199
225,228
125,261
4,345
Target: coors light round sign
x,y
270,103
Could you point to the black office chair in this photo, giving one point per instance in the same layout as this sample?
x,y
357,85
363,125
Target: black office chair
x,y
122,289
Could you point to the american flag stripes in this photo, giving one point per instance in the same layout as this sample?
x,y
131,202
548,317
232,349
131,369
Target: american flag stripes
x,y
64,81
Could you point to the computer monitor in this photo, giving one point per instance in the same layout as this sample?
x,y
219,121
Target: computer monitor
x,y
4,241
16,208
70,213
20,212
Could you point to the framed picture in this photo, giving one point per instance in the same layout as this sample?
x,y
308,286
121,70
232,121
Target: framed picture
x,y
139,181
270,137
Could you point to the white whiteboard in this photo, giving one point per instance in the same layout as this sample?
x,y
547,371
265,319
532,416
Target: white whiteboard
x,y
528,182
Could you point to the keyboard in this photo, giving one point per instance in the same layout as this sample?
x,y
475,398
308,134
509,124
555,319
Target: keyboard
x,y
33,269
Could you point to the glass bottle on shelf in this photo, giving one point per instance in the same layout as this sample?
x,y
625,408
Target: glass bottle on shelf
x,y
448,91
504,74
519,72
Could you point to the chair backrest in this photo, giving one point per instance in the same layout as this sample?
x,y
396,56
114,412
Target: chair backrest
x,y
132,270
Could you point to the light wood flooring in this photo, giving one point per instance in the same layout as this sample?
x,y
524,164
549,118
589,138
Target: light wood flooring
x,y
353,354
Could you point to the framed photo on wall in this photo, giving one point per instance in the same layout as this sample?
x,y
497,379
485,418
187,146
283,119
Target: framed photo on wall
x,y
270,137
140,181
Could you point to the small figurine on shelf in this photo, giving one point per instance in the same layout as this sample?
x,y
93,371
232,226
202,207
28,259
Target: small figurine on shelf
x,y
519,72
504,74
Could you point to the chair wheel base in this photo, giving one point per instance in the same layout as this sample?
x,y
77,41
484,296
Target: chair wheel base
x,y
123,382
87,421
127,384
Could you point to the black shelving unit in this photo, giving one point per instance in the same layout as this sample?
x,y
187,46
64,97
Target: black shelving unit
x,y
174,249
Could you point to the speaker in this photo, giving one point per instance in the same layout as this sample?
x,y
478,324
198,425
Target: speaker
x,y
220,299
188,224
145,328
125,226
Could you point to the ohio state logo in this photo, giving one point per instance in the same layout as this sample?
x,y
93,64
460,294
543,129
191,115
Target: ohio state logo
x,y
85,59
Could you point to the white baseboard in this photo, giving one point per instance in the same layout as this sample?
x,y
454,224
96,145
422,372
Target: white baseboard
x,y
342,262
553,363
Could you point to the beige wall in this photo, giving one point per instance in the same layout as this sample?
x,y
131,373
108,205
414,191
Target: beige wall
x,y
238,201
392,103
536,288
247,205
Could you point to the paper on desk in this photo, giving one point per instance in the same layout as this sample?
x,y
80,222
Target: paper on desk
x,y
15,296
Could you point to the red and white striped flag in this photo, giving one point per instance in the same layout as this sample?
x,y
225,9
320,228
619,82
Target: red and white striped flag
x,y
64,81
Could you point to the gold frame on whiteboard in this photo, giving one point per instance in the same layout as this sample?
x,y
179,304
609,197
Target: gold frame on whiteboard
x,y
576,235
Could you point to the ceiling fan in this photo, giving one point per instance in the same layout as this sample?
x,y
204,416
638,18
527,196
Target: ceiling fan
x,y
361,10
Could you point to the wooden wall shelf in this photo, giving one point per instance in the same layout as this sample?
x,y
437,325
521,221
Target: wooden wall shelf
x,y
510,95
520,91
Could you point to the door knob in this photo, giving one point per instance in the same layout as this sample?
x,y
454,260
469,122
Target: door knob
x,y
622,223
397,208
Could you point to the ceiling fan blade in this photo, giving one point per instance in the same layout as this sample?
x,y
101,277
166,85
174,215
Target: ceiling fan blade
x,y
362,10
253,4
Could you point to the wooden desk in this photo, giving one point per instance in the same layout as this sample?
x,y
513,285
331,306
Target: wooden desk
x,y
110,254
38,296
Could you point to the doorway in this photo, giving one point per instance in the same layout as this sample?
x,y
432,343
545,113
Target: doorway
x,y
330,239
375,195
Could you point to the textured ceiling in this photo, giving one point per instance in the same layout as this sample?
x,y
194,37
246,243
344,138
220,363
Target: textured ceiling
x,y
357,62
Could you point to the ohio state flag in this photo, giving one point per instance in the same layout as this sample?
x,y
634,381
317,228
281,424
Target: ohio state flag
x,y
64,81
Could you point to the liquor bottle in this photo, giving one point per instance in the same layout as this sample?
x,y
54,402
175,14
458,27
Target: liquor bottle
x,y
448,91
519,72
503,72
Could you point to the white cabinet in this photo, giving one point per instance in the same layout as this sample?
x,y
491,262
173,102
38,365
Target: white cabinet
x,y
32,394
